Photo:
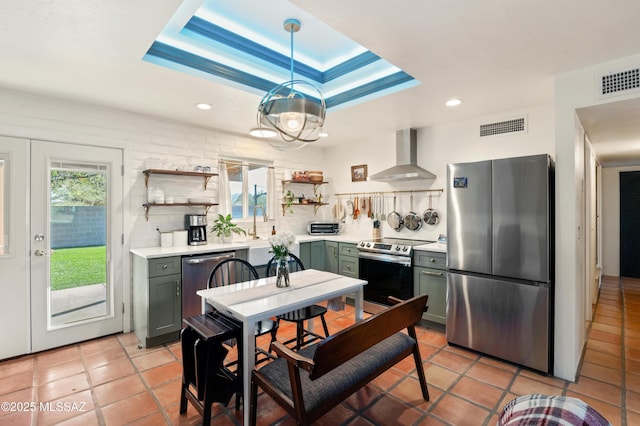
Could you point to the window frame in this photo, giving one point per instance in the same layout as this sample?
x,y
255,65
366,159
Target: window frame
x,y
246,164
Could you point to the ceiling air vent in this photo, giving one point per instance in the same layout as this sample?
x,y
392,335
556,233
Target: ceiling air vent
x,y
516,125
619,83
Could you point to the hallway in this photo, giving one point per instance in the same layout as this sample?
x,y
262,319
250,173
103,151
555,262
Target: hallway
x,y
110,381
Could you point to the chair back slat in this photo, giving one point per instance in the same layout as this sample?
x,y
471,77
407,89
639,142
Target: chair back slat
x,y
295,264
231,271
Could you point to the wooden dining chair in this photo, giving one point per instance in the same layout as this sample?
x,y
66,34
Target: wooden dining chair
x,y
235,270
299,316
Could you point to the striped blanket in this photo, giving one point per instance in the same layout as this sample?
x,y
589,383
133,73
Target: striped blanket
x,y
537,409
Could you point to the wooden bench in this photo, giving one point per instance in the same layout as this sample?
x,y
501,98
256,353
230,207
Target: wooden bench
x,y
341,364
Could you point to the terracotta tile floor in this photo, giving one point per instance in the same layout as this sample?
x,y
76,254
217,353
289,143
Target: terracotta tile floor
x,y
109,381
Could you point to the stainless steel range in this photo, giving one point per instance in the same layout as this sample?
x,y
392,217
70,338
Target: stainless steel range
x,y
387,265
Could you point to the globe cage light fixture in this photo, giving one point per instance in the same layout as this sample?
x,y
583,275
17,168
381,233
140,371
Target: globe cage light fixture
x,y
290,109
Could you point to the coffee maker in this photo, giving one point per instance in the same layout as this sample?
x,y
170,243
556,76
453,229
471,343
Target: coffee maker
x,y
196,225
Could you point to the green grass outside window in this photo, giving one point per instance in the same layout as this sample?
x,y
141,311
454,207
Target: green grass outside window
x,y
77,267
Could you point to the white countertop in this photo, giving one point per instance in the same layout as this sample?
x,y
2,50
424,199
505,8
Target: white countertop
x,y
211,247
440,247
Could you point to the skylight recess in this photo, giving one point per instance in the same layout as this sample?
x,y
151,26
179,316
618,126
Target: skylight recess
x,y
243,44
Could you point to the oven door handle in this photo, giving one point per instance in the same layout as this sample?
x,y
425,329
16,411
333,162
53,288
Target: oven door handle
x,y
387,258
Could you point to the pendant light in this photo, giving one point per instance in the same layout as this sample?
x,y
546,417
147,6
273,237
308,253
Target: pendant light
x,y
295,110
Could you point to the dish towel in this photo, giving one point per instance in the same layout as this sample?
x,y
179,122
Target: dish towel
x,y
337,303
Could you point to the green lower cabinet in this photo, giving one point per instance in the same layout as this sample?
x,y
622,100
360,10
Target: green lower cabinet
x,y
312,255
434,283
165,305
331,256
348,263
305,254
157,300
340,258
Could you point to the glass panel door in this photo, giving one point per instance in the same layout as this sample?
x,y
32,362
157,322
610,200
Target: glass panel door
x,y
76,222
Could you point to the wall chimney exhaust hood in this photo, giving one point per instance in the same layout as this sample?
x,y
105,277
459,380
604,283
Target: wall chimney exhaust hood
x,y
406,159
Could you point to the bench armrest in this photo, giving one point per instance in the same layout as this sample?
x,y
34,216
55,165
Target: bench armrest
x,y
292,357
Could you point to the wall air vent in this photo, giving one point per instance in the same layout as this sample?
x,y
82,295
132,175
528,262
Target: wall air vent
x,y
619,83
516,125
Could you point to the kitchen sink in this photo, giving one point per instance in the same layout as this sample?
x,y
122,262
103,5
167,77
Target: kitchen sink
x,y
259,251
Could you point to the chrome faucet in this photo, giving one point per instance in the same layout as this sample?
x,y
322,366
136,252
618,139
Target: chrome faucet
x,y
264,216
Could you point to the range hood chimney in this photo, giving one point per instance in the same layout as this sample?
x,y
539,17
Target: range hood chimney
x,y
406,167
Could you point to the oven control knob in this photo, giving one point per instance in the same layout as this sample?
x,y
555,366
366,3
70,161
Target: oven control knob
x,y
404,248
368,245
397,248
362,244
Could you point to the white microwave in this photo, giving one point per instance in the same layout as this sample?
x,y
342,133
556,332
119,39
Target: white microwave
x,y
323,228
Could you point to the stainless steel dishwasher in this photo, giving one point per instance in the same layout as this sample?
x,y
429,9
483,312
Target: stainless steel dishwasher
x,y
195,273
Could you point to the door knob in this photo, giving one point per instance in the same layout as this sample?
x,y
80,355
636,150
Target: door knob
x,y
39,252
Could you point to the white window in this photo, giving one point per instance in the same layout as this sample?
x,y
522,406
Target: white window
x,y
248,187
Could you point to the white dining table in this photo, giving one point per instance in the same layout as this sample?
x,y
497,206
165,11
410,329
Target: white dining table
x,y
256,300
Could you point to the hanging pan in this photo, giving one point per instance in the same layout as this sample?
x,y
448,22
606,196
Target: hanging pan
x,y
394,219
430,215
412,220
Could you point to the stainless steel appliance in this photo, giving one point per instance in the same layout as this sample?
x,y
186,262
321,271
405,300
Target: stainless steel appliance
x,y
195,274
500,258
387,267
323,228
196,229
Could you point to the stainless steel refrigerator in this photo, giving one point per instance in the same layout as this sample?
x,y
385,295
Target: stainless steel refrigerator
x,y
500,258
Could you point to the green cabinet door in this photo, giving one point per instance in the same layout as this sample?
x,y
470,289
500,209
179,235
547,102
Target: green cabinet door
x,y
434,283
312,255
331,256
305,254
165,315
317,255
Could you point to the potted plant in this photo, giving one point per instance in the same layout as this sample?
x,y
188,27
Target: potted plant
x,y
289,199
223,227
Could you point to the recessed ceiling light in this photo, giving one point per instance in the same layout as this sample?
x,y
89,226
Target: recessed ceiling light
x,y
262,132
203,106
453,102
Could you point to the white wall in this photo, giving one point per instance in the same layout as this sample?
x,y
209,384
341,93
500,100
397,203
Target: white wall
x,y
437,147
611,218
576,89
153,143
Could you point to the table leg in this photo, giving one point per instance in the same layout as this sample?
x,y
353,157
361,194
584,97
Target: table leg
x,y
359,304
248,364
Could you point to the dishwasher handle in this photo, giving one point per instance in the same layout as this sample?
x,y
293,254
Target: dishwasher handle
x,y
202,259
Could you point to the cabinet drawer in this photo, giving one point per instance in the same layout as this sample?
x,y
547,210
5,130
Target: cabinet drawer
x,y
430,259
348,266
348,249
165,266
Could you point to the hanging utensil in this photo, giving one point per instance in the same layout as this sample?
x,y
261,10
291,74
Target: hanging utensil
x,y
349,207
383,207
356,209
412,220
370,215
430,216
338,210
394,219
